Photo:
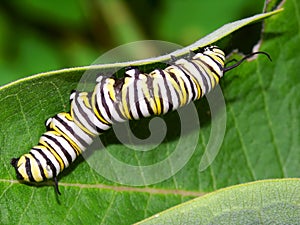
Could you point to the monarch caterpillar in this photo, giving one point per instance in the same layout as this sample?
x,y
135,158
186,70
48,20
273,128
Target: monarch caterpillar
x,y
135,96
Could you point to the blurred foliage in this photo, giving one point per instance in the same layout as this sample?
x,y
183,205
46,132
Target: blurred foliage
x,y
37,36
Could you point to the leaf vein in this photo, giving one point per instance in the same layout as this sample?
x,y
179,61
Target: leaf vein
x,y
243,145
269,122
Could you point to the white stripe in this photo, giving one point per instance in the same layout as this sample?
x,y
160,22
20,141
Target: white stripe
x,y
174,94
205,75
76,130
161,84
187,84
44,162
55,147
99,100
78,103
141,97
112,105
212,63
131,96
191,68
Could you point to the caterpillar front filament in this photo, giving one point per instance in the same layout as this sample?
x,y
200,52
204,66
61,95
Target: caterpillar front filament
x,y
114,100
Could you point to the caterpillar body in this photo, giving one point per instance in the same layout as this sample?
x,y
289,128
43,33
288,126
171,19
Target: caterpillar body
x,y
113,100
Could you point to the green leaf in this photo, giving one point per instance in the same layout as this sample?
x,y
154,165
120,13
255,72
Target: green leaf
x,y
261,202
261,141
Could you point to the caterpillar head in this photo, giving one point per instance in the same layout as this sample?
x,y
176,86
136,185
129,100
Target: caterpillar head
x,y
14,163
27,169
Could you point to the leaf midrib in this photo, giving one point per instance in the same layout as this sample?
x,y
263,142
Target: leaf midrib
x,y
148,190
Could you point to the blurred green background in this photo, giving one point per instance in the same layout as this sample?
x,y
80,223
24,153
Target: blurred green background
x,y
37,36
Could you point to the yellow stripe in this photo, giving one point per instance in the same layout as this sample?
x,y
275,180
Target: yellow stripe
x,y
57,132
22,161
182,90
124,94
54,153
70,117
221,54
216,58
35,172
217,79
95,108
74,145
212,76
120,106
85,99
184,93
46,172
111,89
199,90
146,93
83,128
175,85
207,69
156,93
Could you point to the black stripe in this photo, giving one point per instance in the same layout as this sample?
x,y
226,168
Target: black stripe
x,y
173,76
221,58
118,85
169,96
84,115
203,77
28,169
70,129
149,83
40,166
115,105
153,94
48,161
49,148
14,163
210,67
126,98
192,85
186,89
97,108
187,75
103,100
65,151
208,75
90,96
159,92
136,97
